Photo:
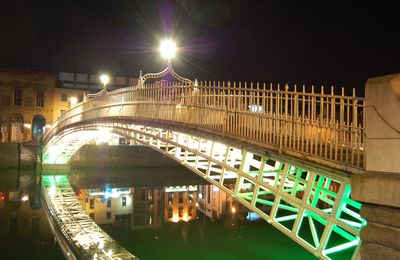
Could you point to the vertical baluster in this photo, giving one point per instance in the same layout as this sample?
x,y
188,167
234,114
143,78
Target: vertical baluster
x,y
305,121
343,106
285,136
264,107
271,132
333,120
354,125
321,122
295,118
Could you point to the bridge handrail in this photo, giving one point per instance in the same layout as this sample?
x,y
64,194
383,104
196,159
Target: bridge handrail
x,y
326,123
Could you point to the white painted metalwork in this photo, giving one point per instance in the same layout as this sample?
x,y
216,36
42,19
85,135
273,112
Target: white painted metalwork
x,y
322,128
296,198
77,234
302,132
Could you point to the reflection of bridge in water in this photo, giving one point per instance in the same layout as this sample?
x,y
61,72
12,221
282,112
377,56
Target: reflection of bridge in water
x,y
287,152
76,233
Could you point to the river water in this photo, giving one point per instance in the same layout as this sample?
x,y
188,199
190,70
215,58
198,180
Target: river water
x,y
154,213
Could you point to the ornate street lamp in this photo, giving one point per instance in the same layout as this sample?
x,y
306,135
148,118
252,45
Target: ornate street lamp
x,y
104,79
168,50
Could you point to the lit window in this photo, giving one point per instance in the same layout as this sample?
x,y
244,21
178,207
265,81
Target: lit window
x,y
123,201
180,212
64,97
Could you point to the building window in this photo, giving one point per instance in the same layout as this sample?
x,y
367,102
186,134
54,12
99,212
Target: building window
x,y
180,212
39,98
170,197
191,212
35,225
91,203
123,201
169,212
17,97
80,98
180,197
108,216
64,97
108,203
91,215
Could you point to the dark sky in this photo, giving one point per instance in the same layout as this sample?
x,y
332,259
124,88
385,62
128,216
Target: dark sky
x,y
303,42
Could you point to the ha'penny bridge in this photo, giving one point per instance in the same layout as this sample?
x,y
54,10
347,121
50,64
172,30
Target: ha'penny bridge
x,y
291,152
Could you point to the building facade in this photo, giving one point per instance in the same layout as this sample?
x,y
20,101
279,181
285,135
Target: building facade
x,y
31,100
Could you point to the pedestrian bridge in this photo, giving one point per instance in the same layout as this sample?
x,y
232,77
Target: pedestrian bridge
x,y
288,151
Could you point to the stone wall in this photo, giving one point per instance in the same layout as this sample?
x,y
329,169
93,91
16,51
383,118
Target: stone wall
x,y
378,187
89,156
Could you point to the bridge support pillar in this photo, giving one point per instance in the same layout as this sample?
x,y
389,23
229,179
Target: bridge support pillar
x,y
378,188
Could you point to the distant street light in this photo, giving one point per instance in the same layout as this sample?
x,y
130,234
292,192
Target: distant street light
x,y
73,101
168,49
104,79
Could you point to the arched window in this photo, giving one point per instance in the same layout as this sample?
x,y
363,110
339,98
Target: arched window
x,y
38,126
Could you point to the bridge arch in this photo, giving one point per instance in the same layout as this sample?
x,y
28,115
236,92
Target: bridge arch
x,y
309,203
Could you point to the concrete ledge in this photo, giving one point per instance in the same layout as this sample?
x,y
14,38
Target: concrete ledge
x,y
380,234
381,214
371,251
376,188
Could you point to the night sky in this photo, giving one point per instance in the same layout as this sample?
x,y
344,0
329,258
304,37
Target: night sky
x,y
303,42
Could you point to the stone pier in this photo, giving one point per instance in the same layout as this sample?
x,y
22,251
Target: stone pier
x,y
379,187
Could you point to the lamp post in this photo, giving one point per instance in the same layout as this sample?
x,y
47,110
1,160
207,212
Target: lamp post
x,y
104,79
168,50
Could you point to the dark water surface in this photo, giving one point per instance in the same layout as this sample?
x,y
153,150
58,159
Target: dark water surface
x,y
153,213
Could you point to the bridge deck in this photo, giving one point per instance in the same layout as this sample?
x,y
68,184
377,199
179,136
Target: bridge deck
x,y
83,238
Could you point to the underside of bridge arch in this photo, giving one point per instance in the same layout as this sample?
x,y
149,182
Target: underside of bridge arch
x,y
310,204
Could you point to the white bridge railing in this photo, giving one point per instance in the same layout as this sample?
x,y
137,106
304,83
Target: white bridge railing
x,y
323,127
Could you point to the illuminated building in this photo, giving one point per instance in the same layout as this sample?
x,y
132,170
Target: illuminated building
x,y
108,206
214,203
31,100
180,203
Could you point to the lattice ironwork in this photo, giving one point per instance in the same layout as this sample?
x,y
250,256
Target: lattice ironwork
x,y
311,206
83,239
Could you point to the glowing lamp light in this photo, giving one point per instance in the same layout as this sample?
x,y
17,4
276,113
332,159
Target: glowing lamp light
x,y
167,49
25,198
185,217
233,210
73,101
175,218
2,197
104,79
